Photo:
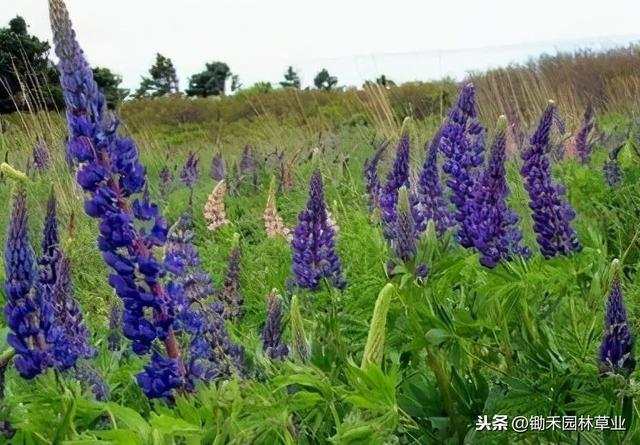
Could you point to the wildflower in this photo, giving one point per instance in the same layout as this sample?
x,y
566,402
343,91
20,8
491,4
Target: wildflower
x,y
429,192
297,330
249,165
272,343
313,245
397,177
90,379
422,270
273,223
110,173
462,143
218,170
115,327
404,239
373,185
214,211
495,224
41,156
166,181
189,174
374,348
213,355
616,348
611,168
584,147
230,293
551,214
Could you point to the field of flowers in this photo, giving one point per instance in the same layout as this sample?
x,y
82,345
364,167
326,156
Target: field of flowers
x,y
443,283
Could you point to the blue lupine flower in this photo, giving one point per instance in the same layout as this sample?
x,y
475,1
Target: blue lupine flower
x,y
161,377
551,214
373,185
397,177
272,342
28,309
313,244
190,174
462,143
429,192
494,224
218,170
41,156
230,294
404,238
110,172
616,348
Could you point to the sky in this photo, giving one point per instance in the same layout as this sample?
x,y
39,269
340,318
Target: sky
x,y
355,40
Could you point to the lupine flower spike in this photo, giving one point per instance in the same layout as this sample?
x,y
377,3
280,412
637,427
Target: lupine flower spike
x,y
218,170
404,239
429,191
272,342
166,181
552,215
313,245
214,212
110,173
611,168
495,224
273,222
28,309
230,293
374,348
462,143
584,146
397,177
373,185
190,174
41,156
616,348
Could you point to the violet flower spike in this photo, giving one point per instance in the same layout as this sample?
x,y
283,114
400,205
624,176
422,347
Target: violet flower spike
x,y
110,173
462,144
313,244
584,147
373,185
272,342
494,223
616,348
397,177
218,170
552,215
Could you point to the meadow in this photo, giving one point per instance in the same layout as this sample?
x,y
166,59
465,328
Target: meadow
x,y
299,297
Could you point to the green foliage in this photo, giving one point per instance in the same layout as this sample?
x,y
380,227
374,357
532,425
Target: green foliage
x,y
27,77
291,79
325,81
211,81
162,80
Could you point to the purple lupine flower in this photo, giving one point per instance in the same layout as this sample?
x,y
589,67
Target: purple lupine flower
x,y
248,164
182,259
161,377
166,181
90,379
272,343
41,156
51,253
69,319
616,348
115,327
405,234
397,177
110,172
190,174
429,192
611,168
551,214
373,185
213,355
230,294
218,170
584,147
28,310
462,143
313,244
422,270
494,223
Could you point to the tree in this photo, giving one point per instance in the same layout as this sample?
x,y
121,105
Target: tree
x,y
235,83
324,81
109,84
210,82
162,80
26,74
383,81
291,79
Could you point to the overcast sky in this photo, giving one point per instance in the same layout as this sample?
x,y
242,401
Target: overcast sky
x,y
355,39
